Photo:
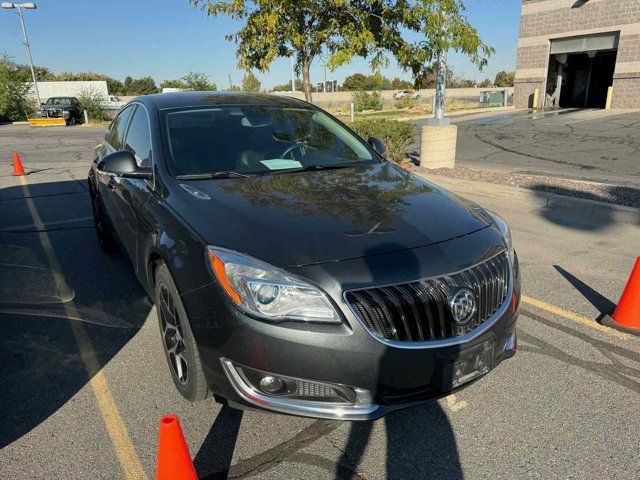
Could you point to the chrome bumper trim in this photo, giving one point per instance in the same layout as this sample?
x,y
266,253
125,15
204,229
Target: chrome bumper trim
x,y
363,409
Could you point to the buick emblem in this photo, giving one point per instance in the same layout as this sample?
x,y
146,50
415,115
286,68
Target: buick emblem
x,y
463,306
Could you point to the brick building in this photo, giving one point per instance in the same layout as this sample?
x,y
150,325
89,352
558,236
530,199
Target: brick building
x,y
589,45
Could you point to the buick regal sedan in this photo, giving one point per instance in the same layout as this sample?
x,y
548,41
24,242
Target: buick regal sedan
x,y
293,268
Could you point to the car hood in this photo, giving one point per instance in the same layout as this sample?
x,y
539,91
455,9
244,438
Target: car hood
x,y
302,218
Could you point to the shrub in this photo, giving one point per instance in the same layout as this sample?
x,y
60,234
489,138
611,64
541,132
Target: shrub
x,y
16,101
367,101
397,136
91,101
406,103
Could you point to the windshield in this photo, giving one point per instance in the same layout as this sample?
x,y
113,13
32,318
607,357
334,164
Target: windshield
x,y
59,101
255,139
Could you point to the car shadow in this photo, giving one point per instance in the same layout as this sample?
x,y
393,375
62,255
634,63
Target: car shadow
x,y
420,442
62,300
586,217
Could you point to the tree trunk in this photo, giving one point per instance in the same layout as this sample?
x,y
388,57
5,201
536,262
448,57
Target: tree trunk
x,y
306,79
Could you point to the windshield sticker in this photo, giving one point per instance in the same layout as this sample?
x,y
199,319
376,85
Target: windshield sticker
x,y
281,164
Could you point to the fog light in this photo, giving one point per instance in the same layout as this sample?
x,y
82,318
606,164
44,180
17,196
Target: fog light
x,y
296,388
271,384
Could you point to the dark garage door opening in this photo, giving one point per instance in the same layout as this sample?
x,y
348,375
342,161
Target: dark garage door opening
x,y
586,65
586,79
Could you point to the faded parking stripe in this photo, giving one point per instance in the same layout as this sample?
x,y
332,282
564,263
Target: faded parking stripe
x,y
568,315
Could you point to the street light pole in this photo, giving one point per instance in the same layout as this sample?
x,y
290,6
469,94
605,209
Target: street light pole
x,y
441,80
28,6
26,43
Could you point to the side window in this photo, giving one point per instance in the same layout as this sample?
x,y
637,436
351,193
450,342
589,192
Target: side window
x,y
139,139
115,137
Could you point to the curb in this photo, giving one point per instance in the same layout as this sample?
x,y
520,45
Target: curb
x,y
619,213
468,113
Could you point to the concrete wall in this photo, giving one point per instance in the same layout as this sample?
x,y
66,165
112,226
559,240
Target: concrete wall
x,y
70,89
545,20
338,99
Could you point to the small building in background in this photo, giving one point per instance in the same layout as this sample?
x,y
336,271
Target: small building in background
x,y
572,51
96,88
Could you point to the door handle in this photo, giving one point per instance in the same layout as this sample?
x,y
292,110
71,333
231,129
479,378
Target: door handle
x,y
112,183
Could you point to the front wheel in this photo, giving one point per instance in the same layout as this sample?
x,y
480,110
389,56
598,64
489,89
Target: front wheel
x,y
178,342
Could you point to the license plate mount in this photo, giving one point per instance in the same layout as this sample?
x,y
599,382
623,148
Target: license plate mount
x,y
469,364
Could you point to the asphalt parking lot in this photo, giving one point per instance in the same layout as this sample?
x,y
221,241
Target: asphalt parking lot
x,y
594,145
85,381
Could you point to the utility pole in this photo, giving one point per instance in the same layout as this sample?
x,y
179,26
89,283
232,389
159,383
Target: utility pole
x,y
230,83
293,78
441,81
324,76
28,6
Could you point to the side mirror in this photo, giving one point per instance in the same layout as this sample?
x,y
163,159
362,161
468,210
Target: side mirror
x,y
123,164
377,145
42,104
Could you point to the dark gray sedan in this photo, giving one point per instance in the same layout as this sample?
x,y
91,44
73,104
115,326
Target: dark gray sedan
x,y
293,268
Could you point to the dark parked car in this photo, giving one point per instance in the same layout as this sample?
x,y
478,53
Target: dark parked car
x,y
293,268
62,107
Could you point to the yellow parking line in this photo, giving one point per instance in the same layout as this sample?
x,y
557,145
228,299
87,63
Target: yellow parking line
x,y
129,460
569,315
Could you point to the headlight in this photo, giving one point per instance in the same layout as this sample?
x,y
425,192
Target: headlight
x,y
502,226
267,292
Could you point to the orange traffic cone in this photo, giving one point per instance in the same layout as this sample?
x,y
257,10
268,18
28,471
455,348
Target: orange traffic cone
x,y
17,165
174,460
626,316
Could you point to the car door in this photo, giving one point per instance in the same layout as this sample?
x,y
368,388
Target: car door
x,y
106,183
130,195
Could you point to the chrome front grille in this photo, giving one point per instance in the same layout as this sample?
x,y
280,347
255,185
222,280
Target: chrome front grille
x,y
419,311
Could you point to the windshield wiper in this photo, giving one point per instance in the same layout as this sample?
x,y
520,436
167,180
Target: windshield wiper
x,y
208,176
314,167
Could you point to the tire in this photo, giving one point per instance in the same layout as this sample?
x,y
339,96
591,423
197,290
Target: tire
x,y
72,121
105,239
177,339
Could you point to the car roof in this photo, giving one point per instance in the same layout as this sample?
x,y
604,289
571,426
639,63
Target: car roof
x,y
198,99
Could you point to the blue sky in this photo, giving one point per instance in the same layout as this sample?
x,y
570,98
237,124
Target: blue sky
x,y
168,38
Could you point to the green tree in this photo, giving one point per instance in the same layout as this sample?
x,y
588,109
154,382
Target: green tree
x,y
356,82
486,83
440,25
173,84
250,83
139,86
504,79
198,81
15,100
115,87
303,29
286,87
43,74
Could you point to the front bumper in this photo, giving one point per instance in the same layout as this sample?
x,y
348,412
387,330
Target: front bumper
x,y
55,114
386,377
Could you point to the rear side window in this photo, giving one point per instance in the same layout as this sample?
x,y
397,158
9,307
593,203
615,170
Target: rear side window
x,y
115,138
138,138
